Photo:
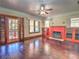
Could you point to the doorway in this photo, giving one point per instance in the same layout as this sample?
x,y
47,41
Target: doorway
x,y
11,29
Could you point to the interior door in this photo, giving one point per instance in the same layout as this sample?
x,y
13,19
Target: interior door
x,y
2,30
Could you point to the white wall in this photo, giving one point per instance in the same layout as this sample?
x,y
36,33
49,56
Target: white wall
x,y
64,19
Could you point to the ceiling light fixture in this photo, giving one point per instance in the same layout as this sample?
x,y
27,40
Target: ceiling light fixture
x,y
42,13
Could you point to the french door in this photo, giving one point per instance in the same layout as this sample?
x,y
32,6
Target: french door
x,y
2,30
11,29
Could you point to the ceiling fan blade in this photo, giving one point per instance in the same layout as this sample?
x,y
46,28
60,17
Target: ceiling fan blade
x,y
49,9
46,12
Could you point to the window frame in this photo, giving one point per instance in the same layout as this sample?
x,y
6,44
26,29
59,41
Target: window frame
x,y
34,26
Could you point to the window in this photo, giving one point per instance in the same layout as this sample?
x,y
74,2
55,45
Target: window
x,y
31,26
37,26
75,22
34,26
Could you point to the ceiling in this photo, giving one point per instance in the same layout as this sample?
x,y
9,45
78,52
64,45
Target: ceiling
x,y
32,6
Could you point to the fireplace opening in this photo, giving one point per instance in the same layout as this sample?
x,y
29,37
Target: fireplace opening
x,y
57,35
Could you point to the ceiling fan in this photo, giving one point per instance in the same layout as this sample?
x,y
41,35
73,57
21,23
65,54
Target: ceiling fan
x,y
43,9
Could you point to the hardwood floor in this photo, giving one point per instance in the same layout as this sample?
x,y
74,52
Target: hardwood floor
x,y
38,49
